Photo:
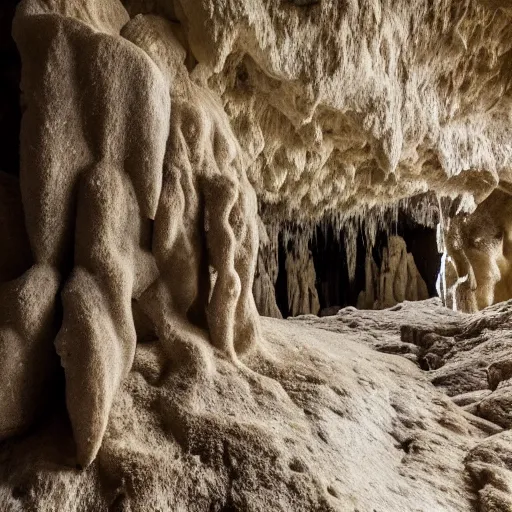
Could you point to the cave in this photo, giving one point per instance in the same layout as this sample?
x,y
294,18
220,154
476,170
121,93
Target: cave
x,y
335,286
255,256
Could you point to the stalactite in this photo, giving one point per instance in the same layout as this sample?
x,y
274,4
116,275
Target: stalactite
x,y
348,226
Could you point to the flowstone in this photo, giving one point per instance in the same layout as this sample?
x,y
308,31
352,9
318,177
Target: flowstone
x,y
479,248
123,202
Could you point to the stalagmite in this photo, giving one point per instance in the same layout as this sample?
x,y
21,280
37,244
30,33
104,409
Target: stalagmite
x,y
398,278
301,278
265,277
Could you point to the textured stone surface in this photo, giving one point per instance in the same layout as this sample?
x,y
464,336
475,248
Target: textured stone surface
x,y
122,200
317,421
468,358
479,250
265,277
148,142
396,280
301,283
341,105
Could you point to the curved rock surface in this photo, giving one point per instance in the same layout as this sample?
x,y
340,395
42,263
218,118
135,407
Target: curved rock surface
x,y
479,251
154,135
398,278
321,422
467,357
341,105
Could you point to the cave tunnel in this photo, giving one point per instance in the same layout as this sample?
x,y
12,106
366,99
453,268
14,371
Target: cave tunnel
x,y
159,214
334,287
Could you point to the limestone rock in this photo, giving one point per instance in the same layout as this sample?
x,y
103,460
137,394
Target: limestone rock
x,y
27,319
336,108
472,353
154,138
27,356
265,277
123,199
398,278
480,247
320,422
301,282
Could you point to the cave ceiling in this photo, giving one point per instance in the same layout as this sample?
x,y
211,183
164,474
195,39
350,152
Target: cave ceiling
x,y
344,105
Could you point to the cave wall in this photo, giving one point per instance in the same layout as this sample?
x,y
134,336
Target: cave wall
x,y
479,255
122,202
153,137
396,280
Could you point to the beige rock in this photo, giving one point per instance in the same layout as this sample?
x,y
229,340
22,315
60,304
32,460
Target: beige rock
x,y
149,146
27,355
325,423
480,247
109,165
336,107
301,283
27,320
265,277
398,278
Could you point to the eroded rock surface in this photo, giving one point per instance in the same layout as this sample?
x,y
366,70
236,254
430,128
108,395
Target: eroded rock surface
x,y
301,283
479,248
265,277
123,200
320,423
152,138
465,356
396,280
341,105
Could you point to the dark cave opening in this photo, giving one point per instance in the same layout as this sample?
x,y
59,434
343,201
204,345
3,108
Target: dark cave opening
x,y
335,290
10,110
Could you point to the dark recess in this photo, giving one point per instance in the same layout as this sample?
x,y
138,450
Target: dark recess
x,y
10,111
331,266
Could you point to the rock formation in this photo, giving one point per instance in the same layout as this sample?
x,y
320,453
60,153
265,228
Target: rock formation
x,y
301,278
467,357
127,202
334,421
341,105
479,251
397,279
160,141
266,276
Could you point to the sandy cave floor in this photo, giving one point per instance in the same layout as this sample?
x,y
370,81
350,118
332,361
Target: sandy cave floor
x,y
325,420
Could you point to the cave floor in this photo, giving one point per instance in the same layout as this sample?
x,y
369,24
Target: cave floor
x,y
405,409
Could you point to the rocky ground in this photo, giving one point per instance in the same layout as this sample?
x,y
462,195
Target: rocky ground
x,y
405,409
468,358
